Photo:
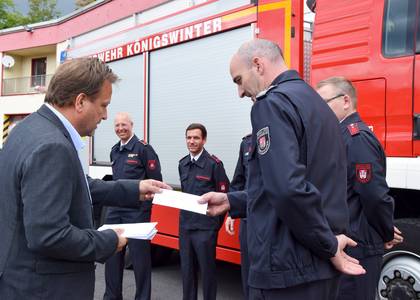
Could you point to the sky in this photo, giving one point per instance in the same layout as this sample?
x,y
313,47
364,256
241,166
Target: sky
x,y
63,6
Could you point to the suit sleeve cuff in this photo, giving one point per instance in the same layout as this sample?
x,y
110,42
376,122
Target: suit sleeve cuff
x,y
238,204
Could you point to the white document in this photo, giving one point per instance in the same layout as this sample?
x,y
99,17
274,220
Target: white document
x,y
180,200
139,231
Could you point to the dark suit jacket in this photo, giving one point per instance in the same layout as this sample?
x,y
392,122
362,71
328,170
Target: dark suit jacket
x,y
47,242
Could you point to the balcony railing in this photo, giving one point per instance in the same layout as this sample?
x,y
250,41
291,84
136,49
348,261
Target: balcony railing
x,y
25,85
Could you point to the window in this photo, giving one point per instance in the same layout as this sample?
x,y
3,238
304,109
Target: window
x,y
39,70
398,28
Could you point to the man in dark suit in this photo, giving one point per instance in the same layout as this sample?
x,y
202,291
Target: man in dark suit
x,y
48,244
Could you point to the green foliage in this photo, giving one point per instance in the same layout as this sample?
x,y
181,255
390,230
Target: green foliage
x,y
42,10
39,10
8,16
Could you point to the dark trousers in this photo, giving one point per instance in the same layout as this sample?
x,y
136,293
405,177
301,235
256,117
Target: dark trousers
x,y
316,290
362,287
244,257
197,249
139,254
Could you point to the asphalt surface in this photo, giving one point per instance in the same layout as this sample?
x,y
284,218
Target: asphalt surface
x,y
167,282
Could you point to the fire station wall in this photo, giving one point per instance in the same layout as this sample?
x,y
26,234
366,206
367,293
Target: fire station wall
x,y
190,83
127,96
125,31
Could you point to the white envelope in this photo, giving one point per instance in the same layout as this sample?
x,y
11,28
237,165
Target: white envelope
x,y
140,231
180,200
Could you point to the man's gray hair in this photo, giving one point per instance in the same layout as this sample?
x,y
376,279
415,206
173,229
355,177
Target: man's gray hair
x,y
262,48
342,86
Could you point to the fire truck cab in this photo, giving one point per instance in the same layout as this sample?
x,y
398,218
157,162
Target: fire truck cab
x,y
376,44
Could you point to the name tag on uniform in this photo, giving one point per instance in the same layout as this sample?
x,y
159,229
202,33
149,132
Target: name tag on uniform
x,y
132,161
199,177
132,155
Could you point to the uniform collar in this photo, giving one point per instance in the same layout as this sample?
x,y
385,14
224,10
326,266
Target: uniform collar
x,y
130,145
353,118
283,77
200,162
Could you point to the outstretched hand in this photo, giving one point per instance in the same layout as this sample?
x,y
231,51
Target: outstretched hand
x,y
218,203
149,187
343,262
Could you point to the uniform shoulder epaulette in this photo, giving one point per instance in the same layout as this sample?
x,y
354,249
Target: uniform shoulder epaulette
x,y
247,136
216,159
184,157
353,128
143,142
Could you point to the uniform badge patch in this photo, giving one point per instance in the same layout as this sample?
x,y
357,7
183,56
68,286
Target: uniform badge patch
x,y
151,164
222,186
263,140
353,128
363,172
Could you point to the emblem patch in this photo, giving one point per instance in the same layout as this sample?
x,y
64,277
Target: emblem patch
x,y
151,164
363,172
131,155
222,187
263,140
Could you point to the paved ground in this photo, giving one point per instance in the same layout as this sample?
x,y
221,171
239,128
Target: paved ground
x,y
166,282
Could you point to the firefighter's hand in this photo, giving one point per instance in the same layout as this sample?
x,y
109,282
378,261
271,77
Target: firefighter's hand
x,y
149,187
398,239
122,241
229,225
218,203
344,263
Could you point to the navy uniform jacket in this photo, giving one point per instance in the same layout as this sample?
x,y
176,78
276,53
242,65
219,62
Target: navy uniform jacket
x,y
296,186
241,171
205,175
137,160
371,208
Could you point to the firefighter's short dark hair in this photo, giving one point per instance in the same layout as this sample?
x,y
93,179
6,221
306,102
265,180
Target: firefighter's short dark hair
x,y
197,126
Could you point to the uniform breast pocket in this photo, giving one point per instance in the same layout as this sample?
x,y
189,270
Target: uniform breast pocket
x,y
204,183
131,165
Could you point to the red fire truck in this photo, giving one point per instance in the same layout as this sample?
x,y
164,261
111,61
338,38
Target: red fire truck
x,y
173,58
375,43
371,42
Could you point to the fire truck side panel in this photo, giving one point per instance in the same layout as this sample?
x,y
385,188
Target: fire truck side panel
x,y
348,42
371,42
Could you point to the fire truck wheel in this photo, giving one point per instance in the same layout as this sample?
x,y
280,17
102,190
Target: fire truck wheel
x,y
400,275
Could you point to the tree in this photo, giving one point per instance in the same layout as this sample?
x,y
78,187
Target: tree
x,y
82,3
42,10
9,17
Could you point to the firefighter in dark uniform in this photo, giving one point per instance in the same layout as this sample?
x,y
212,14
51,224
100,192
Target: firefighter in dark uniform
x,y
131,159
199,173
238,183
371,207
295,200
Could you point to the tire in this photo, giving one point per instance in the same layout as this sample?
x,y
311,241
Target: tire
x,y
400,275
